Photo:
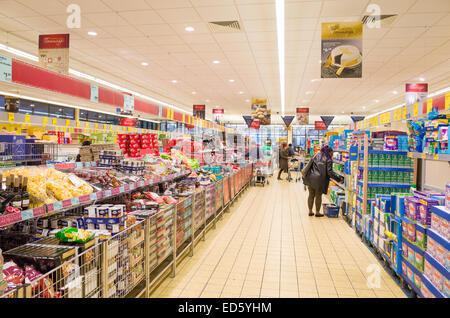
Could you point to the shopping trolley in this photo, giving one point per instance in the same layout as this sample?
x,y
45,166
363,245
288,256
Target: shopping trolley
x,y
263,170
294,167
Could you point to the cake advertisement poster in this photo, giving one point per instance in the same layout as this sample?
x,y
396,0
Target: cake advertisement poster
x,y
260,111
341,50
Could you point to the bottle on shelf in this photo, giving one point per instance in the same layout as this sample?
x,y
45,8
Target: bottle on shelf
x,y
17,198
25,196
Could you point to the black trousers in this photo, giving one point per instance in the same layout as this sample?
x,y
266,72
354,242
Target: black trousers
x,y
314,196
285,170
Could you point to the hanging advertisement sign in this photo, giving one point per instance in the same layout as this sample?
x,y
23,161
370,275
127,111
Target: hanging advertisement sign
x,y
248,120
414,93
303,115
199,111
327,120
320,125
288,120
5,69
357,118
54,52
260,111
255,124
128,103
342,50
218,114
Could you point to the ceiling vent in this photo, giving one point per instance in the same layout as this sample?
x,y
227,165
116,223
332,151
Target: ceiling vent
x,y
385,19
224,26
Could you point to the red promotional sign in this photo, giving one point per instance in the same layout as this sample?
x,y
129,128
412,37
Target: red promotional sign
x,y
128,122
417,88
54,41
199,111
302,110
303,115
255,124
218,111
320,125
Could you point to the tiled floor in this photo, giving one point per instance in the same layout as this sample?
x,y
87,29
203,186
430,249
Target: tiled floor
x,y
267,246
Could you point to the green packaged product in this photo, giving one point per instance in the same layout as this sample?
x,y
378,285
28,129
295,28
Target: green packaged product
x,y
70,234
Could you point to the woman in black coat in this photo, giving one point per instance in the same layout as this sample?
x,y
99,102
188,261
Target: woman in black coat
x,y
284,156
318,177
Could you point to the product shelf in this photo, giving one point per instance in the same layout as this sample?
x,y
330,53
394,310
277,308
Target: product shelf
x,y
385,185
373,168
439,157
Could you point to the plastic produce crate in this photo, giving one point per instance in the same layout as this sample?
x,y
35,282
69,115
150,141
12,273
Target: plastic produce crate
x,y
331,210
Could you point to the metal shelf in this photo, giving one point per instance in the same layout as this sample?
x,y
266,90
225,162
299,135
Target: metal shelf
x,y
438,157
374,168
385,185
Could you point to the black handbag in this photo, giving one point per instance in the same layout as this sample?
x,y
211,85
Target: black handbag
x,y
308,167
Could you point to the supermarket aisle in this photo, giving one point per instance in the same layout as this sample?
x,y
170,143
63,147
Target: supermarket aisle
x,y
269,247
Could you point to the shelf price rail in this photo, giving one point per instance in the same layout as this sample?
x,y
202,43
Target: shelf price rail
x,y
131,263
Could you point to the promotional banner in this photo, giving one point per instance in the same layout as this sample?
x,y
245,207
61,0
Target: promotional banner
x,y
320,125
327,120
342,50
248,120
128,122
260,111
218,114
414,93
288,120
303,115
54,52
357,118
199,111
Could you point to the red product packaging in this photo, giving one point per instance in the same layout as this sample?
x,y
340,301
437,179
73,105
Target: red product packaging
x,y
13,274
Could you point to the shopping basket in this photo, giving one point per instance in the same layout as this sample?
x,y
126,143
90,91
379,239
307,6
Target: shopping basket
x,y
331,210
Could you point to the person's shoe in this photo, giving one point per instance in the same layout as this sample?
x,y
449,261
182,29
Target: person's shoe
x,y
318,215
279,179
311,214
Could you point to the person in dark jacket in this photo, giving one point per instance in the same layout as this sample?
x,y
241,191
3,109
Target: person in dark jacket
x,y
318,177
284,156
291,150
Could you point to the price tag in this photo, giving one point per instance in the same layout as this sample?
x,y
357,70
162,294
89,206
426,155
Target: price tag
x,y
51,166
38,211
424,155
142,183
85,198
27,119
78,124
44,121
447,101
115,191
122,189
96,125
436,157
57,128
87,164
410,154
10,117
78,165
54,121
26,215
93,196
57,206
105,126
107,193
130,129
67,122
86,125
126,187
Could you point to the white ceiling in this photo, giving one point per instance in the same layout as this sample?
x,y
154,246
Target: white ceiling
x,y
416,45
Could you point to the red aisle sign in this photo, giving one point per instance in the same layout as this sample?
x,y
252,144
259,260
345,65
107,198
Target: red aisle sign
x,y
320,125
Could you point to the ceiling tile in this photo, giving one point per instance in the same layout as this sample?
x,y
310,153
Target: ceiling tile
x,y
12,25
130,5
430,6
302,9
156,29
88,6
142,17
181,15
14,9
123,31
257,12
418,19
333,8
106,19
158,4
222,13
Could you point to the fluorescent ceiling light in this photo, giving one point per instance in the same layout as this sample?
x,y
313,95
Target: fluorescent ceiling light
x,y
315,80
189,29
394,92
279,5
216,62
144,64
174,81
19,53
231,80
92,33
193,93
421,79
377,101
247,100
309,92
241,92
